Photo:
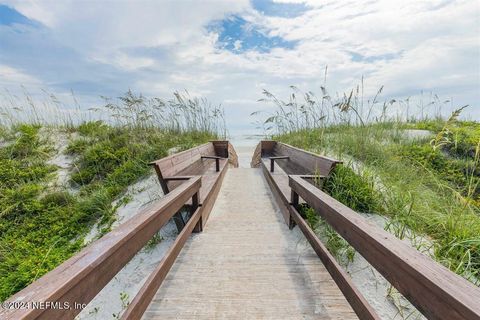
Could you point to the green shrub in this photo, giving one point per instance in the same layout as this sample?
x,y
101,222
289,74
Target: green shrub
x,y
93,128
78,146
426,191
41,227
353,190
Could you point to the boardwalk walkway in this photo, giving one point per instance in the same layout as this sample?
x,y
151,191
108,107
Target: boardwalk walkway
x,y
246,264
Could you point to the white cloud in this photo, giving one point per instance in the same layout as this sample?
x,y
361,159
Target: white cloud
x,y
10,75
157,47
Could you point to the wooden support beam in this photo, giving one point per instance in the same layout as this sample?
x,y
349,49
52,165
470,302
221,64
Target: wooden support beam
x,y
433,289
179,221
193,209
294,201
161,179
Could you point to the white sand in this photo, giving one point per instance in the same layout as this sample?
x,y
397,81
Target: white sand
x,y
376,288
4,143
64,162
416,134
130,279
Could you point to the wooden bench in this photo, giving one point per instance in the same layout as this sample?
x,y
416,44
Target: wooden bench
x,y
279,160
209,160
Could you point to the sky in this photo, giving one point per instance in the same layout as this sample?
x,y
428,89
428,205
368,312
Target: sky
x,y
229,51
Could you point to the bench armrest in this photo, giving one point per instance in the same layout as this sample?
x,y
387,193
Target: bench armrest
x,y
272,161
217,161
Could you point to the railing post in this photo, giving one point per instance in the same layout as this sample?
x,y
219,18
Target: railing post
x,y
179,222
195,201
294,200
217,164
272,165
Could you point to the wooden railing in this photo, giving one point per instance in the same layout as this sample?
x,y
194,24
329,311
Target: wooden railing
x,y
433,289
61,293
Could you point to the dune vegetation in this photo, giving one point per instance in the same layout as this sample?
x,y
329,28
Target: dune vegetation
x,y
418,169
44,218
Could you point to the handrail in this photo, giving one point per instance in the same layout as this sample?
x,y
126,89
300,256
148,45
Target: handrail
x,y
145,295
433,289
354,297
64,291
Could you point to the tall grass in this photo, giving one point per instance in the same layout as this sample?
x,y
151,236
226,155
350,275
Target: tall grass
x,y
428,187
308,110
182,113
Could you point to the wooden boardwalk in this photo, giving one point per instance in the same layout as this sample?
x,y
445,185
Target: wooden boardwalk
x,y
247,264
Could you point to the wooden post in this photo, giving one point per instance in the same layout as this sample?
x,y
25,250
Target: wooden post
x,y
272,165
179,222
294,200
217,164
195,205
177,218
162,181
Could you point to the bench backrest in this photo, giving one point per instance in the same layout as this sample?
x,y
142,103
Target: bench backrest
x,y
300,161
178,162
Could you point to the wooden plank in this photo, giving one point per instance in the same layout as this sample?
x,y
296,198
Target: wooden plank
x,y
211,196
304,162
358,302
232,156
436,291
221,148
246,264
143,298
209,176
267,147
171,165
278,182
257,156
81,277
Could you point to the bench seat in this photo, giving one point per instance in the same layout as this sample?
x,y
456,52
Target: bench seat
x,y
210,161
286,160
206,169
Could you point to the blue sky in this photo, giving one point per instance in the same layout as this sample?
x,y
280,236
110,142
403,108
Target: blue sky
x,y
228,51
238,35
9,17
